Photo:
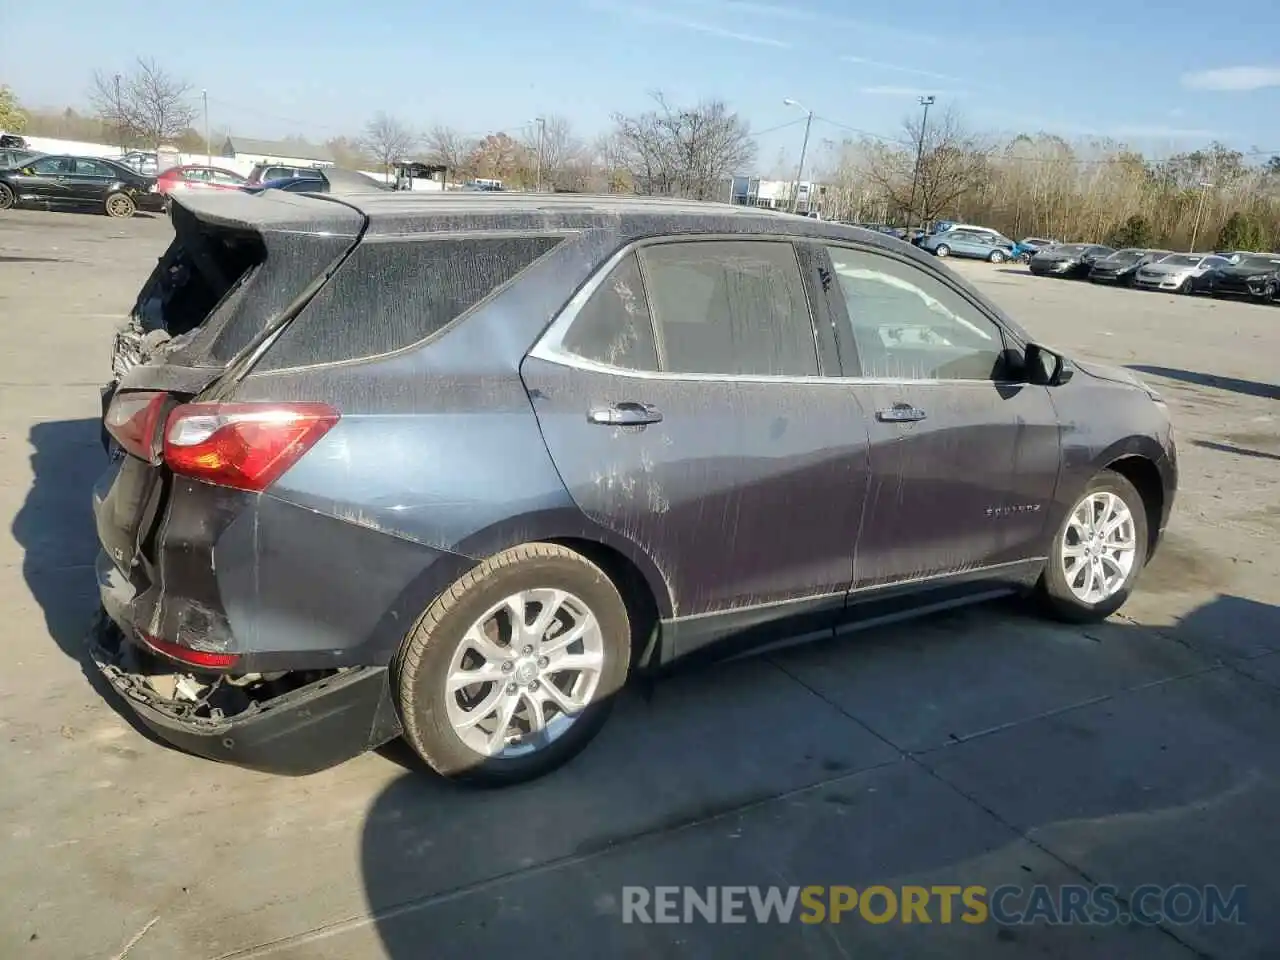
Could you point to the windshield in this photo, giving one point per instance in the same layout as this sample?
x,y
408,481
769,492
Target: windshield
x,y
1127,256
1181,260
1068,250
1260,263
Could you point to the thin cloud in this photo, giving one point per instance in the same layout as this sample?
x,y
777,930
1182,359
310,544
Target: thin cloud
x,y
797,14
898,68
1158,132
650,15
890,91
1233,79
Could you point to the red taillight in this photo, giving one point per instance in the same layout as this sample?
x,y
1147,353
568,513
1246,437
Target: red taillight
x,y
193,658
134,420
247,446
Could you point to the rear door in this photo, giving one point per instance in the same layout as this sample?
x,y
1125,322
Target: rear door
x,y
90,179
685,397
963,457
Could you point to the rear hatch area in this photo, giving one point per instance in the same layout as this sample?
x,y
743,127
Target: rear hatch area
x,y
238,269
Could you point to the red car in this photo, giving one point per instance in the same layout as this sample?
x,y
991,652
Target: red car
x,y
197,177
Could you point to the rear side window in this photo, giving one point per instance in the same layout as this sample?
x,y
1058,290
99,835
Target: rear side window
x,y
392,294
730,307
614,327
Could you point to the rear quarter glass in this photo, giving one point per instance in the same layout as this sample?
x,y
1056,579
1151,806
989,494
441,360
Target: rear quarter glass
x,y
391,294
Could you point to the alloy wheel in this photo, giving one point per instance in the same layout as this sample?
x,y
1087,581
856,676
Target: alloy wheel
x,y
1099,547
523,673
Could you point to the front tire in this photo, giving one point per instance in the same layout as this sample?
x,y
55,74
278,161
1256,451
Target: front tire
x,y
7,197
942,250
120,206
513,670
1097,552
1187,287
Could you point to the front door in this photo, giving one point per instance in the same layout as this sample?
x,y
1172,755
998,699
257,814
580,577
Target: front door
x,y
49,179
964,459
685,399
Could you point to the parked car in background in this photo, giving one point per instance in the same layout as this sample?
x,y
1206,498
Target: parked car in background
x,y
55,180
1071,260
12,141
13,157
979,243
1255,276
330,180
198,177
1178,272
1027,248
263,172
1122,266
339,437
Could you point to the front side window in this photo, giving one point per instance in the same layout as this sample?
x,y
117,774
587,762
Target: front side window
x,y
52,165
730,307
910,325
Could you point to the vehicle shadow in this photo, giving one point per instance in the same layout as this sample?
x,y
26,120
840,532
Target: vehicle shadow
x,y
55,529
1024,272
683,792
1238,451
84,211
1249,388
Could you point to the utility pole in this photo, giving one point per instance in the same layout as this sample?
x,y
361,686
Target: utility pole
x,y
208,144
804,147
925,102
1195,230
119,116
542,132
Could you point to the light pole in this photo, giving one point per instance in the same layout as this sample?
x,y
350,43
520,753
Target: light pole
x,y
208,144
804,147
542,132
925,102
119,116
1205,185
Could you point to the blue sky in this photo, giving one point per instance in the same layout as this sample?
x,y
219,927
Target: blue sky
x,y
1162,77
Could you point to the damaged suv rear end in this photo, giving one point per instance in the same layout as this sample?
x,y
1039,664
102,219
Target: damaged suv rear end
x,y
240,611
178,510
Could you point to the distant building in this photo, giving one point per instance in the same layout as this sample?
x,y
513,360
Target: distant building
x,y
776,194
274,151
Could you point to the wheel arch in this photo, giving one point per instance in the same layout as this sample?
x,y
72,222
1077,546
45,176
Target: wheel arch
x,y
1142,472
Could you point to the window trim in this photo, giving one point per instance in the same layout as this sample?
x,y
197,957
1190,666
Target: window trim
x,y
550,346
840,316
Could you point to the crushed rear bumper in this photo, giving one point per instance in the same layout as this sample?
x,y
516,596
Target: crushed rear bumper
x,y
301,731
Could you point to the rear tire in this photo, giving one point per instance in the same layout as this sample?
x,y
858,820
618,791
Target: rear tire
x,y
997,256
120,206
942,250
7,198
1082,550
471,630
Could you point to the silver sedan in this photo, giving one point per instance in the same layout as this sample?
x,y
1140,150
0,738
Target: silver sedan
x,y
1178,272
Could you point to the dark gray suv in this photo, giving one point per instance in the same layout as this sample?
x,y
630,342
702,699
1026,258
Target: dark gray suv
x,y
452,466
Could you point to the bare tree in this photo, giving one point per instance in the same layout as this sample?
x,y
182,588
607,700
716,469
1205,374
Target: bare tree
x,y
147,104
387,140
953,164
560,150
684,151
449,148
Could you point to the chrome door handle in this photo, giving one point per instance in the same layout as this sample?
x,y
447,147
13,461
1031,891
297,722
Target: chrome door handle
x,y
900,413
625,414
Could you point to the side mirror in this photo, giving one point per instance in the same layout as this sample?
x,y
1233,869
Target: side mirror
x,y
1046,368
